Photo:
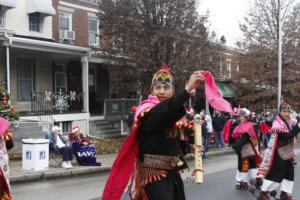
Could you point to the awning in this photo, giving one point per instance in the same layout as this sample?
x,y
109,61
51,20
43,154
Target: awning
x,y
9,3
227,89
40,6
38,45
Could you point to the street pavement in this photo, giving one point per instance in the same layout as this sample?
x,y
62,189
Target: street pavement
x,y
218,184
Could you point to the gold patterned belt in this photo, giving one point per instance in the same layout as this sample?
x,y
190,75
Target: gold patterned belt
x,y
164,162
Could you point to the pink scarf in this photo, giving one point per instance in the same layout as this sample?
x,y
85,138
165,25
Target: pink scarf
x,y
123,165
245,127
214,96
278,124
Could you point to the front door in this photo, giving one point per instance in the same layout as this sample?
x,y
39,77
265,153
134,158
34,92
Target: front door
x,y
60,78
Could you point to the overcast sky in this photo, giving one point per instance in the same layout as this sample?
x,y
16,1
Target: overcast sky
x,y
225,16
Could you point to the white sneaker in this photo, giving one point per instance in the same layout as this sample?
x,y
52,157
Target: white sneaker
x,y
69,164
64,165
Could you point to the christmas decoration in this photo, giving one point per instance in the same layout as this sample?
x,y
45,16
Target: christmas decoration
x,y
61,101
6,109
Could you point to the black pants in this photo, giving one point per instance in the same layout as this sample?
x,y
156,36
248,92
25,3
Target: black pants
x,y
66,153
169,188
281,169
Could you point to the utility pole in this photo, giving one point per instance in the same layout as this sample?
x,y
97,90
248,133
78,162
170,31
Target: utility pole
x,y
279,54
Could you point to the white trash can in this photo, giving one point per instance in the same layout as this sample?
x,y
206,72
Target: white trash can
x,y
35,154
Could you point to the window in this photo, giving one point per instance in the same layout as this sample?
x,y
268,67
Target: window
x,y
93,31
25,78
2,10
114,90
221,68
65,21
35,22
229,68
118,42
66,126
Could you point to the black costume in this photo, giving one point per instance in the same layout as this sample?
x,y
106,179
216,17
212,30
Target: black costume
x,y
160,141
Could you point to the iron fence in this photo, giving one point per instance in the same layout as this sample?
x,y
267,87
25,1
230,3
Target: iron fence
x,y
118,107
56,102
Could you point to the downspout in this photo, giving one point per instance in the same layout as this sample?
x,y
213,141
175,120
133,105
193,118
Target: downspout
x,y
8,61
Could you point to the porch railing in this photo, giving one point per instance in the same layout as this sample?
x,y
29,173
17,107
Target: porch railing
x,y
118,107
46,102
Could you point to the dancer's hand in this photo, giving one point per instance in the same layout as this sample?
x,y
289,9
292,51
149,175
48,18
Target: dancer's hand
x,y
194,82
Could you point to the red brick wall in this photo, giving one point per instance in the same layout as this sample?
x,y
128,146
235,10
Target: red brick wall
x,y
79,23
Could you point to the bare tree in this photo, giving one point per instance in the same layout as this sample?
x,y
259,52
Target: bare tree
x,y
154,33
259,60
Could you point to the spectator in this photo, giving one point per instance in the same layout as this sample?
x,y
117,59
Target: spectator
x,y
205,135
218,123
83,148
209,128
58,142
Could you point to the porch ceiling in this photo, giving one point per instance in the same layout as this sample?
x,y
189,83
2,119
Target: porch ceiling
x,y
51,55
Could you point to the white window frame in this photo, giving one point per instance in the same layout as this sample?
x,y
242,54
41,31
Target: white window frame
x,y
90,1
70,16
97,33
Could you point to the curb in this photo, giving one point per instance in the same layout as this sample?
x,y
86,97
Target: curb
x,y
62,173
44,175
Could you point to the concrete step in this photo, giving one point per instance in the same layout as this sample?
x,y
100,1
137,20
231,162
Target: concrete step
x,y
100,122
110,131
27,132
24,124
104,127
115,135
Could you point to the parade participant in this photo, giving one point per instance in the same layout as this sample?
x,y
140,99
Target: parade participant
x,y
230,126
246,148
155,142
160,147
277,167
4,168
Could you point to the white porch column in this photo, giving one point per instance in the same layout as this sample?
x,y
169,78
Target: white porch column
x,y
85,89
8,69
85,82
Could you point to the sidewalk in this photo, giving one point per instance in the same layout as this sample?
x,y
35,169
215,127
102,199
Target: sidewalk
x,y
18,175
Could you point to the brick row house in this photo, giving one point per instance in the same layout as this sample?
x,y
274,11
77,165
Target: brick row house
x,y
48,66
